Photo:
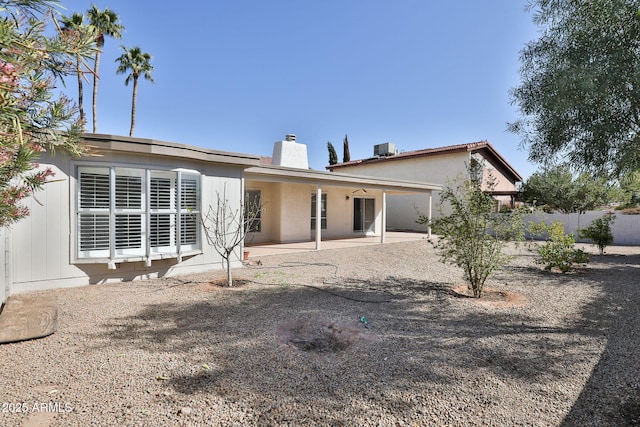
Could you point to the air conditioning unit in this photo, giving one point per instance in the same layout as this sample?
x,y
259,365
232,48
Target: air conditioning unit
x,y
384,150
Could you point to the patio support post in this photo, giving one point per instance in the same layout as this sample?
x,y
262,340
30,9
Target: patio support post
x,y
318,217
429,201
383,232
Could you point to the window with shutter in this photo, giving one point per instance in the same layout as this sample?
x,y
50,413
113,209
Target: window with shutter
x,y
162,209
94,233
93,212
189,210
130,212
94,190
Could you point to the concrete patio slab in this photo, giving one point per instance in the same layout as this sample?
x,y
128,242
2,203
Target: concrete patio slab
x,y
264,249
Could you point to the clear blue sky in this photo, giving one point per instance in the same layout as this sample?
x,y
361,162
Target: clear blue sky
x,y
239,75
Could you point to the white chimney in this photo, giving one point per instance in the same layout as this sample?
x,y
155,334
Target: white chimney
x,y
289,153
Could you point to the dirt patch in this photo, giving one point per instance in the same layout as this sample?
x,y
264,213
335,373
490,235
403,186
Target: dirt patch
x,y
492,297
320,337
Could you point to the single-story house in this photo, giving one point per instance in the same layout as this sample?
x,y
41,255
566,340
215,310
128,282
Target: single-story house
x,y
432,165
131,209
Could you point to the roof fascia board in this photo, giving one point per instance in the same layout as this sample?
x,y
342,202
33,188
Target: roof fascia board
x,y
275,174
162,148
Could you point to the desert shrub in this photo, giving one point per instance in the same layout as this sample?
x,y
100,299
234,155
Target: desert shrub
x,y
631,211
559,249
599,232
472,237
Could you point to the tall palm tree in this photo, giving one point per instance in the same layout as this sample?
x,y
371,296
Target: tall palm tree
x,y
137,63
106,24
75,27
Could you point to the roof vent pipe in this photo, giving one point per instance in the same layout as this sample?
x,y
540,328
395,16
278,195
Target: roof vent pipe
x,y
290,137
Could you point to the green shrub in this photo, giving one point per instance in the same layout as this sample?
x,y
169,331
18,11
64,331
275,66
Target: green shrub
x,y
471,236
599,232
559,250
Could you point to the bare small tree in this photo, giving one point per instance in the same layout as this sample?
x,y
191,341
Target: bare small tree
x,y
226,227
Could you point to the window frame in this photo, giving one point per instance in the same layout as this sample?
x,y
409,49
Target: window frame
x,y
256,225
131,204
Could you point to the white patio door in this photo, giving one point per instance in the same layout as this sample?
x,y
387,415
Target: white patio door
x,y
364,214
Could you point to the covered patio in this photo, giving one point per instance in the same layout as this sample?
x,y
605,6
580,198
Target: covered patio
x,y
304,209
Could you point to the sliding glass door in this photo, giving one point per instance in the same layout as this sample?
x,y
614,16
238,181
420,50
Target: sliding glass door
x,y
364,214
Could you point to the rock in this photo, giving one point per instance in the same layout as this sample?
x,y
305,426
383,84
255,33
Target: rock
x,y
185,411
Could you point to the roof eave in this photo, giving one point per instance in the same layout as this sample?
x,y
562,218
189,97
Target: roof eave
x,y
126,144
310,176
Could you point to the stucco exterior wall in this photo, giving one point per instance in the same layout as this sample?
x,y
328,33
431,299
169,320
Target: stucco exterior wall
x,y
270,211
403,210
286,213
43,256
421,169
501,183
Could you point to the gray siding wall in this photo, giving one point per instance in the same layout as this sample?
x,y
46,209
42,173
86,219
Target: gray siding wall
x,y
5,279
42,252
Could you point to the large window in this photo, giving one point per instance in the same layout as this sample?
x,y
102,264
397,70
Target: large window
x,y
130,212
323,211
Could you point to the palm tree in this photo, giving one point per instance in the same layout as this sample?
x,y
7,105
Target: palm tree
x,y
135,62
74,26
106,24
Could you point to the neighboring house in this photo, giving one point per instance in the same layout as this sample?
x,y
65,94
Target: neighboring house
x,y
432,165
130,210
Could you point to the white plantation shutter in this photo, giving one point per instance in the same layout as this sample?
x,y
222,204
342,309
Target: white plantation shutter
x,y
128,192
94,232
129,227
94,189
189,210
93,212
189,193
161,228
162,208
130,212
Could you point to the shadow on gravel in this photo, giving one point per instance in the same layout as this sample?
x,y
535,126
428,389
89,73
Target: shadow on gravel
x,y
420,337
611,396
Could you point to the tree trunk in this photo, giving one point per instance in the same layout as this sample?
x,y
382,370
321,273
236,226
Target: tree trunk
x,y
95,92
229,277
133,105
80,95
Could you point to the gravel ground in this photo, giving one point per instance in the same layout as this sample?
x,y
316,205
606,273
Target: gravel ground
x,y
289,347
